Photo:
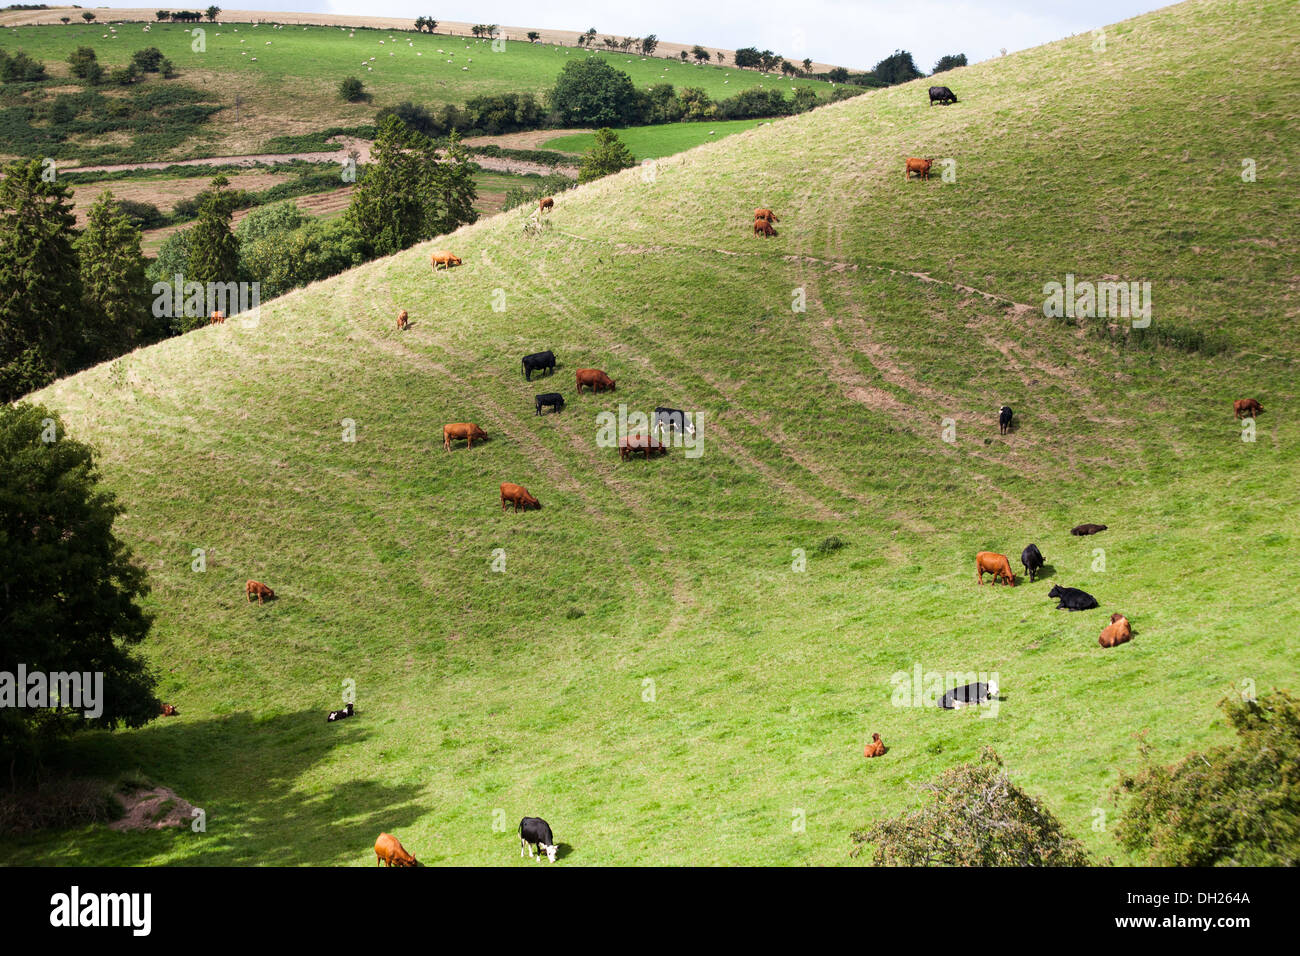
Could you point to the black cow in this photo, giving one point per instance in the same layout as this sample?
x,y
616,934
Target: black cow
x,y
538,361
1032,560
969,694
1004,419
1084,529
553,399
942,95
536,832
340,714
1072,599
671,418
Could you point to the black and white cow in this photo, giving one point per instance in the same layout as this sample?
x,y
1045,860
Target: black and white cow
x,y
1004,419
340,714
1032,560
672,418
538,361
536,832
554,399
1072,599
969,694
942,95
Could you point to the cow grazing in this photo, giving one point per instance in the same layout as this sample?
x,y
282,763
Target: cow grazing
x,y
876,748
942,95
536,832
443,258
763,228
1115,633
594,379
402,321
630,444
538,361
217,317
1246,408
167,710
1031,559
260,589
517,495
546,204
459,430
1085,529
919,166
553,399
1072,599
1004,419
969,694
390,852
672,419
766,214
990,562
339,714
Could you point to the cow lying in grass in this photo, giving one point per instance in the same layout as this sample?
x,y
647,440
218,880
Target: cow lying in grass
x,y
259,589
339,714
536,832
1072,599
1086,529
390,852
518,496
466,430
167,710
1115,633
969,694
876,748
990,562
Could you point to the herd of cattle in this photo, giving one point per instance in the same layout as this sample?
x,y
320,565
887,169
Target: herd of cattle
x,y
535,833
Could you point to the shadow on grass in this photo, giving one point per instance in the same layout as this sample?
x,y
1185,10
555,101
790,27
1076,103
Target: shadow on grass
x,y
242,772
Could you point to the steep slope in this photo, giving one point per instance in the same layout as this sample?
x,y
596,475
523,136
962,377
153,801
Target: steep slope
x,y
649,672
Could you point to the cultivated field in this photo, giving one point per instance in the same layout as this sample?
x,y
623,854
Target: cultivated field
x,y
652,672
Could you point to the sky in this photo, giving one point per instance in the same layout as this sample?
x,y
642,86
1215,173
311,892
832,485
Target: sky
x,y
852,33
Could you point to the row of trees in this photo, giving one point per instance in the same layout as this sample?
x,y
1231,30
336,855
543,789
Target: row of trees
x,y
189,16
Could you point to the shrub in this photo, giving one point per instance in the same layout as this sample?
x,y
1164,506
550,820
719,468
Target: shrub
x,y
609,155
978,818
1234,805
148,60
830,545
20,68
353,90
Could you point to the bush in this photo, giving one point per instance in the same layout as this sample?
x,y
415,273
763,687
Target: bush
x,y
1234,805
830,545
143,215
353,90
978,818
20,68
80,61
148,60
609,155
57,804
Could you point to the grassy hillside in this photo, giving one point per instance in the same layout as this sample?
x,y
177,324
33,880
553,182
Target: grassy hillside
x,y
293,85
484,696
654,142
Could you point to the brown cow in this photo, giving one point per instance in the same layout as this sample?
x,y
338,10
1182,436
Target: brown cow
x,y
633,443
919,166
766,214
990,562
167,710
763,228
402,321
876,748
594,379
1246,405
217,317
1115,633
459,430
545,204
260,589
443,258
518,495
390,852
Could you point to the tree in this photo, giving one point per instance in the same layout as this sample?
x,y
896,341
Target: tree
x,y
747,57
163,15
699,53
896,68
978,818
719,56
113,285
352,90
40,292
807,64
20,68
590,92
788,68
65,20
649,44
87,16
1233,805
414,115
608,155
951,61
148,60
533,36
684,55
453,190
81,61
212,13
696,104
838,75
70,600
214,250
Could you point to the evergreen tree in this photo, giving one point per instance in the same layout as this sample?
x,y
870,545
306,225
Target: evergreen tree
x,y
455,189
214,250
113,284
40,288
609,155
